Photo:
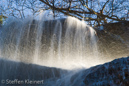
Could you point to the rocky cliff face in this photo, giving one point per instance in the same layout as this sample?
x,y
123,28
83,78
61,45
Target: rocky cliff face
x,y
115,73
113,42
113,39
11,72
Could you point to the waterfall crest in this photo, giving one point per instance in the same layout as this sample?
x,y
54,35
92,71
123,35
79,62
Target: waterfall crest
x,y
66,42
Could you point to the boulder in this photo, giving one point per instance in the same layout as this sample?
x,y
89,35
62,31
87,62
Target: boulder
x,y
114,73
10,70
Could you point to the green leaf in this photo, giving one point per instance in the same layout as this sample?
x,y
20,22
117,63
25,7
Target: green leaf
x,y
2,19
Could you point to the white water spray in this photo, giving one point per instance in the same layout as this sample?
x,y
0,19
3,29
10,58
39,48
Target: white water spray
x,y
66,43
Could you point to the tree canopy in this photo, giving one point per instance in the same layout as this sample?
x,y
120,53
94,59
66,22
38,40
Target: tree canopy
x,y
95,12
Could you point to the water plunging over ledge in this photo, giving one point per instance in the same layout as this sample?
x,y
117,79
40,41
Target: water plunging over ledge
x,y
67,43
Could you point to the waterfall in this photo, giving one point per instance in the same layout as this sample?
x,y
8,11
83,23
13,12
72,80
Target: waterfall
x,y
66,42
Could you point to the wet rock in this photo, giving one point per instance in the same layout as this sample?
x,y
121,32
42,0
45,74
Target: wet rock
x,y
17,70
117,74
113,39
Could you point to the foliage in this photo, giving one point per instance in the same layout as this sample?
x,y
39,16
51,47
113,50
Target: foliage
x,y
2,19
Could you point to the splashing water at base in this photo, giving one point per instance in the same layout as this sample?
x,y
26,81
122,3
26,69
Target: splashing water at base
x,y
66,43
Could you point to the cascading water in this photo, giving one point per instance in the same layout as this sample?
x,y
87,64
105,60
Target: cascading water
x,y
49,42
63,43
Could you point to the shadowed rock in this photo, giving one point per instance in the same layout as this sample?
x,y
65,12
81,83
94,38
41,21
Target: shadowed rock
x,y
114,73
113,39
10,70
